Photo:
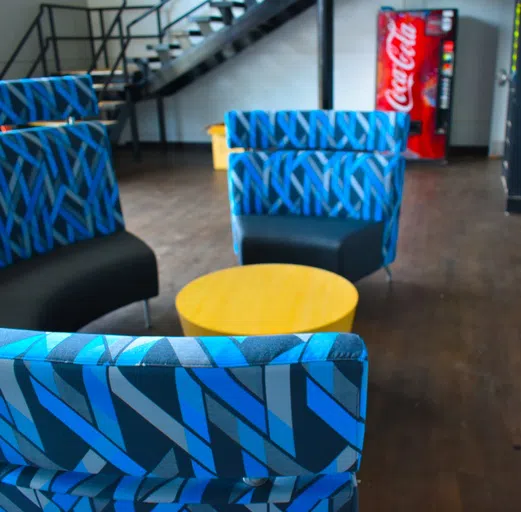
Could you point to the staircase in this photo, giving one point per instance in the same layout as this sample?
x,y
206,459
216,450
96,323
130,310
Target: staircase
x,y
176,54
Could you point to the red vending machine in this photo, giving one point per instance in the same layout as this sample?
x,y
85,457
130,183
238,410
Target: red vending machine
x,y
416,59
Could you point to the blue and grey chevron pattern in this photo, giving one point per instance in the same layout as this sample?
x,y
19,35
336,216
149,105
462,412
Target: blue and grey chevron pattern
x,y
318,129
46,99
27,489
366,186
57,187
108,423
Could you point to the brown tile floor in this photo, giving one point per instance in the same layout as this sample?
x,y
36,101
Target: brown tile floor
x,y
444,418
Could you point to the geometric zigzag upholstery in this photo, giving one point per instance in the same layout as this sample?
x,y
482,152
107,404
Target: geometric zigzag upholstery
x,y
318,129
120,423
338,184
47,99
317,164
57,187
65,256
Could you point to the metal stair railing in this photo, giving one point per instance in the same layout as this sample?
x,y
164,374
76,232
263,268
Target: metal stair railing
x,y
36,26
167,27
46,16
125,42
161,33
157,9
117,22
103,46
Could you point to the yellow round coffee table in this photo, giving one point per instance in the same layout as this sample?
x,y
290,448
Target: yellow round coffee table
x,y
267,299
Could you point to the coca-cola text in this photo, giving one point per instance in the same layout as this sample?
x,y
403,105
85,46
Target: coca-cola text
x,y
400,48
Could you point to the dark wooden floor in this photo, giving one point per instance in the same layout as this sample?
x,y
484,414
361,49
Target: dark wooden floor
x,y
444,418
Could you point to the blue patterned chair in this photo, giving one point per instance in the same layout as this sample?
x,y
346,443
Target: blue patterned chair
x,y
319,188
65,256
93,423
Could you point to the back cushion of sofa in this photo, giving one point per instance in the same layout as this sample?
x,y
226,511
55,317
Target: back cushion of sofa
x,y
57,187
47,99
318,129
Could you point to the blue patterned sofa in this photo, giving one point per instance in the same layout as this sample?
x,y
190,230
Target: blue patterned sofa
x,y
65,256
93,423
319,188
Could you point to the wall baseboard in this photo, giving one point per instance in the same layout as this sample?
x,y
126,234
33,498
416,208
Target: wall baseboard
x,y
157,146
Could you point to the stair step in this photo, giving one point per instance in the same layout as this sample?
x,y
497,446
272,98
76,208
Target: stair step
x,y
164,50
152,60
205,23
110,104
186,33
184,37
120,86
206,19
57,124
226,10
227,5
149,60
161,46
106,72
94,72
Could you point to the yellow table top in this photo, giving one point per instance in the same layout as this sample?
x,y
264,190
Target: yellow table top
x,y
267,299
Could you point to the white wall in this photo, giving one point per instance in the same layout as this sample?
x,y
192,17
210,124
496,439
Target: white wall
x,y
280,71
16,17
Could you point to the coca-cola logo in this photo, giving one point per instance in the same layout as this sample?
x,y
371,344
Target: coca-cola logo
x,y
400,48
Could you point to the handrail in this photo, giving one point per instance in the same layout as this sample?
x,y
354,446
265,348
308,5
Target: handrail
x,y
37,25
79,8
21,44
125,41
115,22
107,36
65,7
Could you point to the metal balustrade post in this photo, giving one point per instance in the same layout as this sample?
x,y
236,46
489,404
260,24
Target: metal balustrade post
x,y
123,50
102,28
134,128
54,40
42,46
160,102
146,312
325,53
91,38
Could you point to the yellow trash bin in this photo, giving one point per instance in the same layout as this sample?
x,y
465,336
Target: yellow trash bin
x,y
220,149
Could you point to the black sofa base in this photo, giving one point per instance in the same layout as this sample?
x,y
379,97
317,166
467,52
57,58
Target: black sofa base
x,y
71,286
351,248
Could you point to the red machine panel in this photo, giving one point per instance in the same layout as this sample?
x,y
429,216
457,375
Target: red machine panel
x,y
416,59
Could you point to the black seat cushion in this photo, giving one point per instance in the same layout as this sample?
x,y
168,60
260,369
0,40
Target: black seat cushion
x,y
349,247
69,287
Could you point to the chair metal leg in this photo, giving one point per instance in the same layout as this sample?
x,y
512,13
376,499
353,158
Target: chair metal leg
x,y
146,311
389,276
